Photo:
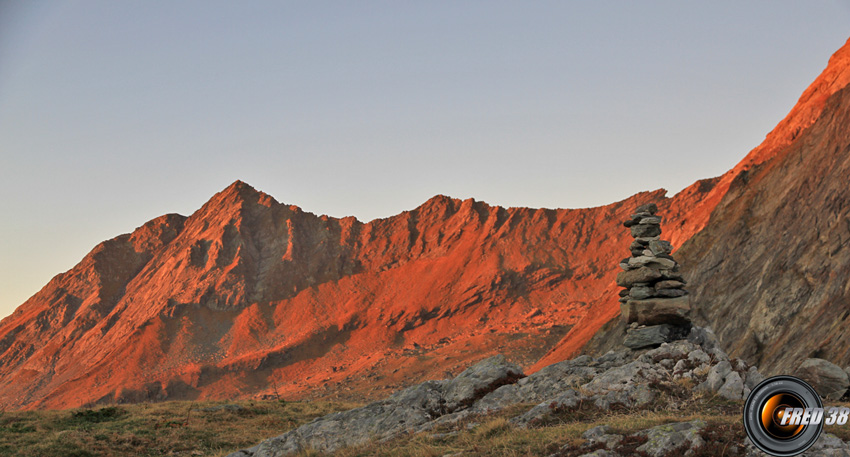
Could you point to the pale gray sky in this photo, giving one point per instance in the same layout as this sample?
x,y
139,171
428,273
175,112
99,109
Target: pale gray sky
x,y
113,113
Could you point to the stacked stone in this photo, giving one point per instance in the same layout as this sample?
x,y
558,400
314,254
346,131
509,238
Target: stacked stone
x,y
653,301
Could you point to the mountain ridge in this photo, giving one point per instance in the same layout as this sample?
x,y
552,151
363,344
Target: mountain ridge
x,y
248,296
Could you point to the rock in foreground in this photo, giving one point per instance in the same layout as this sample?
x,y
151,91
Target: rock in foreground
x,y
618,379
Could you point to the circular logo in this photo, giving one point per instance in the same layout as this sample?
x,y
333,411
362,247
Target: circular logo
x,y
767,406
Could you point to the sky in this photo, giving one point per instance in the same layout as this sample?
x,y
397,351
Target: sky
x,y
115,112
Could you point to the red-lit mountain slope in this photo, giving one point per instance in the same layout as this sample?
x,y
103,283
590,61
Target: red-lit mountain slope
x,y
250,296
770,271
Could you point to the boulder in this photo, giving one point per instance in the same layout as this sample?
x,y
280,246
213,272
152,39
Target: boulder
x,y
827,378
733,388
654,311
479,380
649,336
642,274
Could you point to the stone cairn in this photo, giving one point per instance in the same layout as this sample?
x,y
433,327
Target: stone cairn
x,y
653,302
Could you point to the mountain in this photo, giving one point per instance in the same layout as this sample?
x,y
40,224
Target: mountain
x,y
769,271
250,296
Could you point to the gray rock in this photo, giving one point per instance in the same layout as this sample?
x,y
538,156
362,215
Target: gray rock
x,y
671,293
669,284
612,398
639,293
698,357
733,387
654,311
406,410
650,336
675,350
545,384
645,230
479,380
603,434
716,377
663,439
681,366
718,354
659,263
642,274
651,220
641,395
644,240
545,410
660,247
703,336
829,445
827,378
753,378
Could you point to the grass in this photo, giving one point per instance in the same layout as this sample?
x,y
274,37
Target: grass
x,y
218,428
172,428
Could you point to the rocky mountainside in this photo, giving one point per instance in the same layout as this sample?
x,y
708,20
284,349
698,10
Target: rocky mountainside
x,y
771,270
249,296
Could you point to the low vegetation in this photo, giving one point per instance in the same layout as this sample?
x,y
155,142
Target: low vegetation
x,y
217,428
153,429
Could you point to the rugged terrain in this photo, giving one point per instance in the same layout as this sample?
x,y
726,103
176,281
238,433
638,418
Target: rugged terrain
x,y
250,296
769,272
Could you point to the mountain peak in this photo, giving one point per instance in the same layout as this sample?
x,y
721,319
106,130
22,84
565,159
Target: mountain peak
x,y
239,187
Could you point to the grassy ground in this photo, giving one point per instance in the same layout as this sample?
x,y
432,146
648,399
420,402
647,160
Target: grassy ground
x,y
217,428
170,428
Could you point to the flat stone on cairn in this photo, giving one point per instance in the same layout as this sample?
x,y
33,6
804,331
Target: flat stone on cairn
x,y
653,301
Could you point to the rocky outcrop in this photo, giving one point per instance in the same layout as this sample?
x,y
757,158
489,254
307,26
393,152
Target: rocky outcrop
x,y
624,379
827,378
402,412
